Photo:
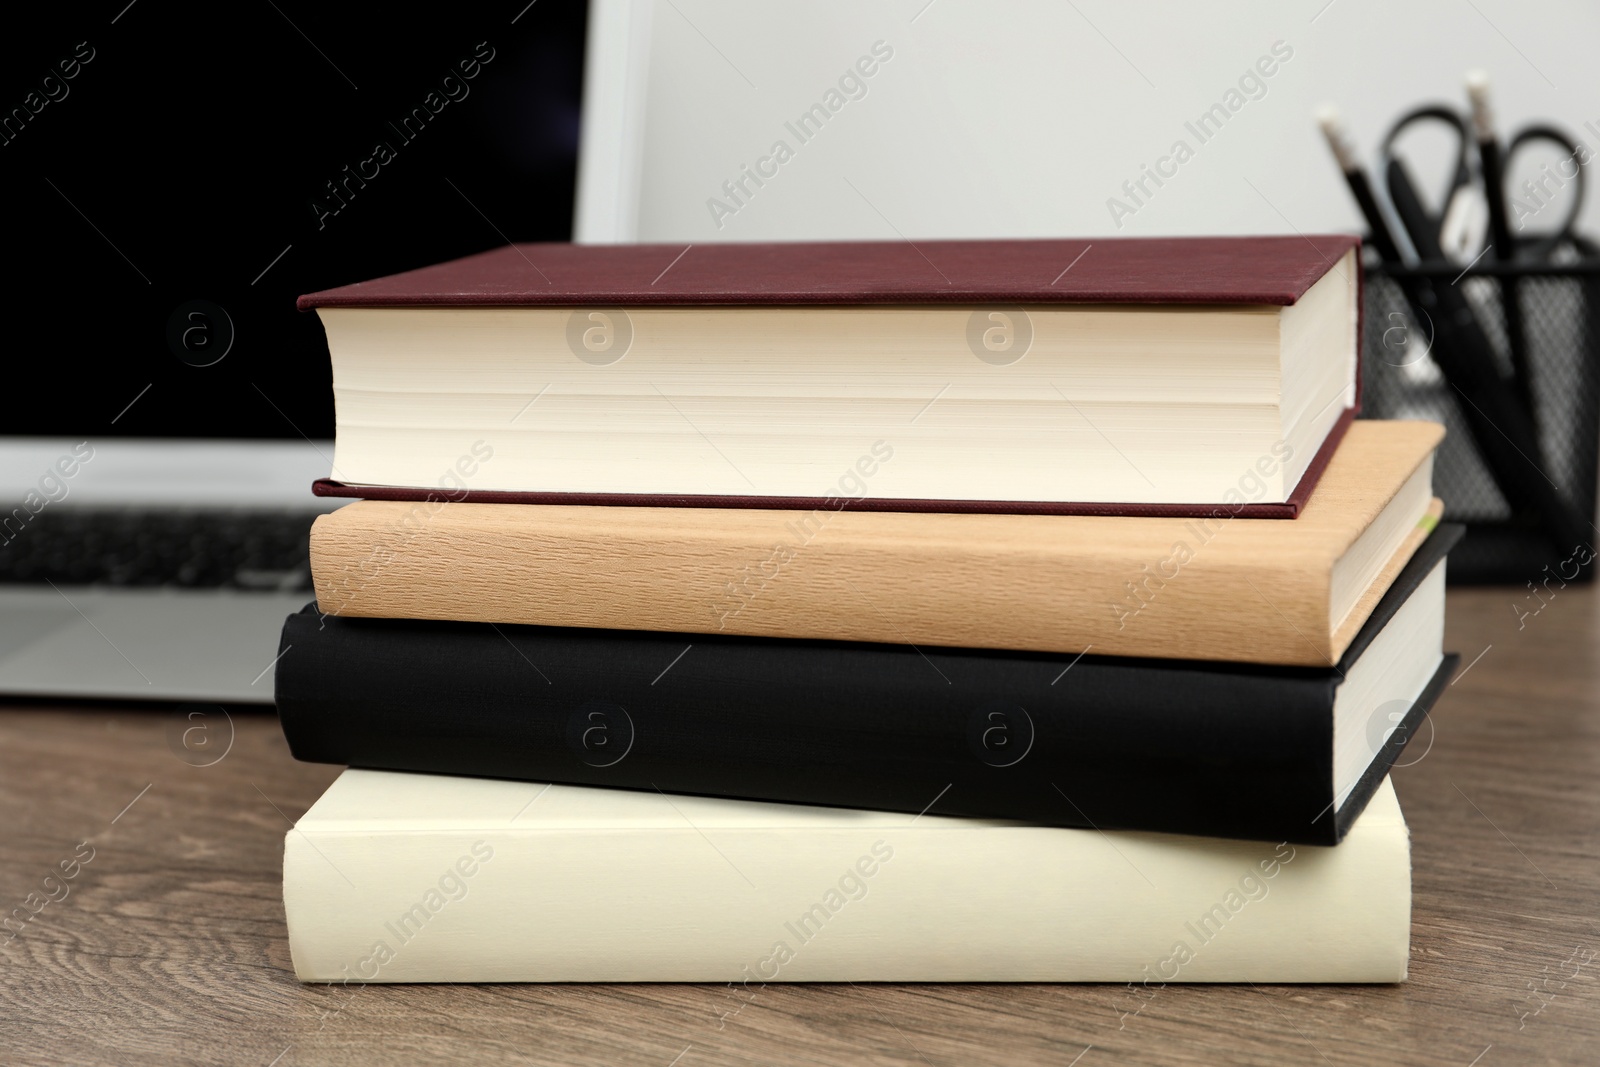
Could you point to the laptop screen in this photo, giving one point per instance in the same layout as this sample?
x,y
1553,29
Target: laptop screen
x,y
180,190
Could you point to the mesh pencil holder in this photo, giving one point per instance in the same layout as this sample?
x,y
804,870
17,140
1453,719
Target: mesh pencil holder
x,y
1556,316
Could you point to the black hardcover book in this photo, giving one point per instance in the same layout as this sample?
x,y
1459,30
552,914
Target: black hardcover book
x,y
1228,750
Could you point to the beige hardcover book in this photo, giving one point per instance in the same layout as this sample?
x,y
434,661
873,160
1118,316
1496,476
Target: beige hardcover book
x,y
432,878
1252,590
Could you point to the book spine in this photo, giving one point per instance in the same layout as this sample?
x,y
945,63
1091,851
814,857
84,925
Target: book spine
x,y
949,580
1185,748
930,901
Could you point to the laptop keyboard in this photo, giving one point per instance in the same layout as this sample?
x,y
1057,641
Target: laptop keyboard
x,y
251,550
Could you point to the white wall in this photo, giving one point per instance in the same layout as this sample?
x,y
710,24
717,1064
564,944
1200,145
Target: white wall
x,y
1022,117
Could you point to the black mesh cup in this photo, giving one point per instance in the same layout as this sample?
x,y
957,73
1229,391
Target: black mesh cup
x,y
1550,339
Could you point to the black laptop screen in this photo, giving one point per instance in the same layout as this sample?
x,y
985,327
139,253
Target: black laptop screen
x,y
178,173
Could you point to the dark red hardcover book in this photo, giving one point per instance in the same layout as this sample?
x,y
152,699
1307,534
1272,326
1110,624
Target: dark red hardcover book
x,y
1158,270
1289,509
1121,270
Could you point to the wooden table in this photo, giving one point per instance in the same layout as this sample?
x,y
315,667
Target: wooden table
x,y
168,945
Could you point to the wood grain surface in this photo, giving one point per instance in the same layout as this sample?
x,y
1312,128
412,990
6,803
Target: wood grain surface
x,y
168,946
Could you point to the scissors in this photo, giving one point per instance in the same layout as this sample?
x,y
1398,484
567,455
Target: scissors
x,y
1470,190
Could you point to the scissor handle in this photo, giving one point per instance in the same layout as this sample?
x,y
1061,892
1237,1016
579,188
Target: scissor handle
x,y
1541,243
1449,116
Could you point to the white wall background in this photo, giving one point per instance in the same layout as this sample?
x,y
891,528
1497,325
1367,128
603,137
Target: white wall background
x,y
1022,117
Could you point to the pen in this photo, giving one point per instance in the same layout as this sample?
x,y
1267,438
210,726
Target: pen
x,y
1345,155
1505,248
1492,165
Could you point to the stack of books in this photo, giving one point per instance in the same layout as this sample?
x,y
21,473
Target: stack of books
x,y
960,611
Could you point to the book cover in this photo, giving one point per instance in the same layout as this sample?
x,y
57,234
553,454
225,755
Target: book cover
x,y
1289,509
1124,270
429,878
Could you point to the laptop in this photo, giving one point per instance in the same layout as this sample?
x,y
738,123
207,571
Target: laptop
x,y
151,569
170,412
